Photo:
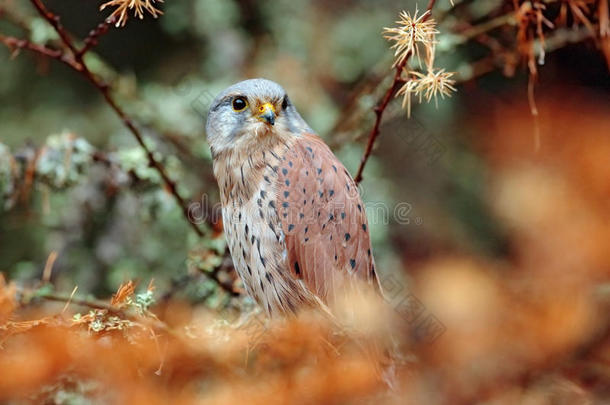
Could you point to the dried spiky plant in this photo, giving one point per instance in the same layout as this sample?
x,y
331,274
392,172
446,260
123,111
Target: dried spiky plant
x,y
411,32
434,83
121,13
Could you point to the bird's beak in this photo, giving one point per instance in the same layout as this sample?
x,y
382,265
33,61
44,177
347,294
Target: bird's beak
x,y
266,113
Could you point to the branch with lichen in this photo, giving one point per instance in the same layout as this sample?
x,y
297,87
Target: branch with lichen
x,y
126,310
64,161
74,58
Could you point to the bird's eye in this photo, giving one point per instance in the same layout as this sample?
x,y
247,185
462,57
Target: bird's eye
x,y
285,103
240,103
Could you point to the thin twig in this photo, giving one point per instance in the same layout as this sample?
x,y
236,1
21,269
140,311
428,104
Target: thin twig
x,y
69,300
48,267
382,105
95,34
83,302
56,24
482,28
16,44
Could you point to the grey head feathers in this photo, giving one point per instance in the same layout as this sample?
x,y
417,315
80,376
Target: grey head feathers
x,y
226,125
261,88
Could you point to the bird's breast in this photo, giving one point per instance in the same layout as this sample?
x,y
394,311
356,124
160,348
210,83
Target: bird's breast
x,y
249,194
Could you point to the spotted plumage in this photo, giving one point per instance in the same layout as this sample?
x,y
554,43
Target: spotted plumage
x,y
293,216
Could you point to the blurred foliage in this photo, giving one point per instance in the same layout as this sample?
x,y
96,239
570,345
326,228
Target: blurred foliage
x,y
202,40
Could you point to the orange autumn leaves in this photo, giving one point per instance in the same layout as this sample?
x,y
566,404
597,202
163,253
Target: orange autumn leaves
x,y
153,363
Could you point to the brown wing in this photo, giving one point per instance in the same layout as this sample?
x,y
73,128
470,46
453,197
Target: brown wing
x,y
323,219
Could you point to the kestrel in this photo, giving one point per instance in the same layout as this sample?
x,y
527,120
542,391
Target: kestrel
x,y
293,217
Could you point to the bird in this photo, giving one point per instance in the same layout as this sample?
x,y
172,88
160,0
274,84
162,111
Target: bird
x,y
294,221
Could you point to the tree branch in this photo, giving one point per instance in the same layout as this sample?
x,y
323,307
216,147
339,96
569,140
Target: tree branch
x,y
56,24
76,62
16,43
383,104
83,302
95,34
227,287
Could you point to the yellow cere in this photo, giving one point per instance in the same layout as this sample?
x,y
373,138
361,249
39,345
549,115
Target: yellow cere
x,y
267,106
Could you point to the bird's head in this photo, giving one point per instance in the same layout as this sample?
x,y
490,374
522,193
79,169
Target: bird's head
x,y
249,110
